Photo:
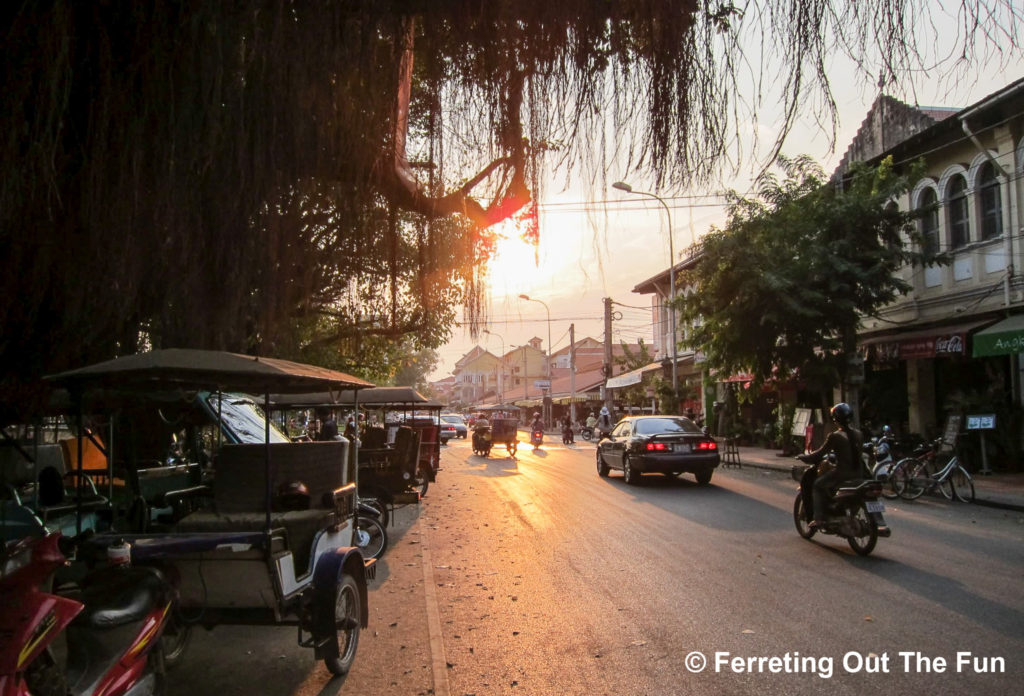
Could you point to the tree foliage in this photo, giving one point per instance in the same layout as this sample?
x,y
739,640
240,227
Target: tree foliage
x,y
782,288
298,177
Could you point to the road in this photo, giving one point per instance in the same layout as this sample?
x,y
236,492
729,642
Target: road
x,y
536,576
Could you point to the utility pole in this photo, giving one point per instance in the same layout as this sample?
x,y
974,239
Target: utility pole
x,y
606,397
572,372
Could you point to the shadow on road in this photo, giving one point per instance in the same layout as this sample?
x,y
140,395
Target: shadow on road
x,y
709,505
950,593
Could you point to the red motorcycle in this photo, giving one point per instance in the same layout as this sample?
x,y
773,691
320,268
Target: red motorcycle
x,y
114,618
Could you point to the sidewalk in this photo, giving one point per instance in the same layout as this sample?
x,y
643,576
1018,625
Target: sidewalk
x,y
1005,491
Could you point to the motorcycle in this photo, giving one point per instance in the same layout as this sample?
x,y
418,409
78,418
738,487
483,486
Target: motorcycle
x,y
854,511
879,460
113,619
536,438
587,433
482,441
568,437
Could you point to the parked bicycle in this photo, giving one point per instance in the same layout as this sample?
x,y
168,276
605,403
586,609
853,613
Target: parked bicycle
x,y
916,475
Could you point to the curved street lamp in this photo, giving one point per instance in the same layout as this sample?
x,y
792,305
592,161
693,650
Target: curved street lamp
x,y
501,374
547,416
626,188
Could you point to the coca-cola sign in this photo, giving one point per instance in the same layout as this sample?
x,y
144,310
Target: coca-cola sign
x,y
933,346
950,345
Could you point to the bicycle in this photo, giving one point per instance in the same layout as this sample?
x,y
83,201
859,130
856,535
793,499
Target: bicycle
x,y
915,475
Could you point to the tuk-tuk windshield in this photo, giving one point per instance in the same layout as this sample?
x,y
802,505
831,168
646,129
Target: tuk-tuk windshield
x,y
244,419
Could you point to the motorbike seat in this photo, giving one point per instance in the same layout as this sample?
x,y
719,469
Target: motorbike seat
x,y
117,596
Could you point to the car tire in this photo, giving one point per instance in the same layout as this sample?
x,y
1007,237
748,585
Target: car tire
x,y
703,477
629,473
602,466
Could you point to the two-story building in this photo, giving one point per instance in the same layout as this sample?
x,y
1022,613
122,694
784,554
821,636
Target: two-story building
x,y
947,346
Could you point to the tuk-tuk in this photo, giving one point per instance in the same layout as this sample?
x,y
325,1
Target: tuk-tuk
x,y
260,532
398,447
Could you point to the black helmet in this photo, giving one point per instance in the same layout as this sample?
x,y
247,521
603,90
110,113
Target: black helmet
x,y
842,413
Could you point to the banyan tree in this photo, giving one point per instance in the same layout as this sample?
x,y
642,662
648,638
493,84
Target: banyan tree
x,y
320,177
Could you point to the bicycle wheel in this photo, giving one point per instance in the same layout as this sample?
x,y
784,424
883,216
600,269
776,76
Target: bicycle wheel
x,y
907,477
962,484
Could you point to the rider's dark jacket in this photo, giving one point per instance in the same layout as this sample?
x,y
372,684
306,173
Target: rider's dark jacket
x,y
847,444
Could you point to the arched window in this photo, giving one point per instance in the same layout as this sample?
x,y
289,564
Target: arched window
x,y
959,219
990,202
928,205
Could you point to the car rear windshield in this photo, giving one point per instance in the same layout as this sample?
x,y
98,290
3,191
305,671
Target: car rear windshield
x,y
453,419
653,426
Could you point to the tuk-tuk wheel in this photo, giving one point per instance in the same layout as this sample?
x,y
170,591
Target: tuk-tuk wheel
x,y
422,481
346,617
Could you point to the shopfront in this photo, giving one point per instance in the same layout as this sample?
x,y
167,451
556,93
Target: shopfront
x,y
915,379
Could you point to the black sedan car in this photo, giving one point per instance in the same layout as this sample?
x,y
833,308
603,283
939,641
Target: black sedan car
x,y
670,445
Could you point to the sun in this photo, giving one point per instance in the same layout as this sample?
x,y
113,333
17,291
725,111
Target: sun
x,y
514,267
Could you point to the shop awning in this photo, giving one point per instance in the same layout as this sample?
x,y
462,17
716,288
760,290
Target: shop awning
x,y
1003,338
936,342
632,377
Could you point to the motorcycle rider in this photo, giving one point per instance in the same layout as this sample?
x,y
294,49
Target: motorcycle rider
x,y
537,423
847,443
591,421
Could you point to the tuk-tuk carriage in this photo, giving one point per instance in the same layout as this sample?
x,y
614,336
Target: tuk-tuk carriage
x,y
257,533
398,447
504,421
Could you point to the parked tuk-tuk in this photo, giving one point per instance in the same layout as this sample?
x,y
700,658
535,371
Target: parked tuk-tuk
x,y
258,530
398,448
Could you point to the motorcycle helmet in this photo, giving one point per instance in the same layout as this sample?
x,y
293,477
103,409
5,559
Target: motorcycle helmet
x,y
842,414
886,431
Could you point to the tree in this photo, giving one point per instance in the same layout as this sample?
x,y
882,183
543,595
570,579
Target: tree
x,y
781,290
243,175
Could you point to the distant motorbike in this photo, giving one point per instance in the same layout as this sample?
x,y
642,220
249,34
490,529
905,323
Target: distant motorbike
x,y
482,440
587,433
113,623
854,511
536,438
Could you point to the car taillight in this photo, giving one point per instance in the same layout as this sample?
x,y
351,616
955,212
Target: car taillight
x,y
657,447
707,446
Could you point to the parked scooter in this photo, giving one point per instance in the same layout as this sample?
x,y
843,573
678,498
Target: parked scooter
x,y
114,620
854,511
879,460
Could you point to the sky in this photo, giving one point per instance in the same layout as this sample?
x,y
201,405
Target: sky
x,y
596,244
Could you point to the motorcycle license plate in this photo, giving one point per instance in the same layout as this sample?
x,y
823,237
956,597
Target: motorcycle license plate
x,y
875,506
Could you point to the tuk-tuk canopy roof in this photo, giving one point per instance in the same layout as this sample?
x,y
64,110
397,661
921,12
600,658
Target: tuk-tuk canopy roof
x,y
373,397
185,368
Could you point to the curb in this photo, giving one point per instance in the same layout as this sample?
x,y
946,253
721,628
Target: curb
x,y
984,502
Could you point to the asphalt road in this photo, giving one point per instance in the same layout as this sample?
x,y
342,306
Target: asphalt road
x,y
536,576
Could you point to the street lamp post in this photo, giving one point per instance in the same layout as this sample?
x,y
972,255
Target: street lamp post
x,y
547,416
501,368
623,186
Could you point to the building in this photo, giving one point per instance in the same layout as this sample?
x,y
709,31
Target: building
x,y
945,348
